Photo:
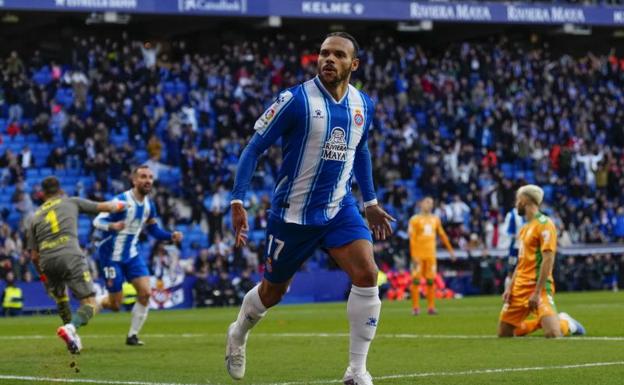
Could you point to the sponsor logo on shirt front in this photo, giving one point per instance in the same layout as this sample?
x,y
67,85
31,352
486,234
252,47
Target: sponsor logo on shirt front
x,y
336,147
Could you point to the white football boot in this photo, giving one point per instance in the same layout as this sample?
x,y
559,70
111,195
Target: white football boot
x,y
351,378
576,329
234,356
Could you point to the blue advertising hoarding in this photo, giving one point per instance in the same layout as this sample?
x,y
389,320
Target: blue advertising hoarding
x,y
389,10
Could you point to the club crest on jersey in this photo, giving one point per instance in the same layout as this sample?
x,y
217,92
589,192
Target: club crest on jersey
x,y
358,118
336,147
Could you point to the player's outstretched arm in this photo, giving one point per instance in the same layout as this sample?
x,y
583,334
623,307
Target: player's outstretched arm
x,y
244,171
378,219
102,221
154,229
113,206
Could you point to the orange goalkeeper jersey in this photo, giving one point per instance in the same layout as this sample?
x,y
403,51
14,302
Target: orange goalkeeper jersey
x,y
422,232
536,237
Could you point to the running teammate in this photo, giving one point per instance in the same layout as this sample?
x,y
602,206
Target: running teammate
x,y
119,256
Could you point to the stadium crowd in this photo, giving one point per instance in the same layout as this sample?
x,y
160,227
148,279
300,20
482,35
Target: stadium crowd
x,y
467,125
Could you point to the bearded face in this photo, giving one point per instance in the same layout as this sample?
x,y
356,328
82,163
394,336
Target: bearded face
x,y
336,60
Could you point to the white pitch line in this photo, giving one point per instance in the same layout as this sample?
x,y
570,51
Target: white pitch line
x,y
461,373
88,381
328,381
321,335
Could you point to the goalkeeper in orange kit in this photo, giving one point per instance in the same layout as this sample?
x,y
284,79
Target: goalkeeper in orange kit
x,y
423,229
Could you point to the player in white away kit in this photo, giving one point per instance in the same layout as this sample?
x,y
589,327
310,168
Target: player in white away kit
x,y
323,125
119,257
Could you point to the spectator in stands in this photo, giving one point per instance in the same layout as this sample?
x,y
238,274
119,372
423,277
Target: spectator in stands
x,y
12,298
244,284
591,275
150,54
56,159
225,292
203,292
618,227
610,273
26,158
218,205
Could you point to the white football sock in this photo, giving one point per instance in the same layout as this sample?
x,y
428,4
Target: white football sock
x,y
363,309
139,315
252,310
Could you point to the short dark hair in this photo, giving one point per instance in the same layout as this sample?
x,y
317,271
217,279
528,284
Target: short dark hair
x,y
135,170
50,186
348,36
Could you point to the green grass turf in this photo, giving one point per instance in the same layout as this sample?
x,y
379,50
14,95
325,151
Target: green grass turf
x,y
197,357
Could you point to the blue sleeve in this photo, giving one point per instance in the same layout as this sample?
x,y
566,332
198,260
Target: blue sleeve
x,y
362,164
154,229
153,213
363,170
158,232
271,125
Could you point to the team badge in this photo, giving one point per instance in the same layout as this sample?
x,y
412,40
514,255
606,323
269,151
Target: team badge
x,y
358,118
269,114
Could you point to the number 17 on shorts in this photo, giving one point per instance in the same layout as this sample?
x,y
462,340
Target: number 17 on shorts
x,y
274,248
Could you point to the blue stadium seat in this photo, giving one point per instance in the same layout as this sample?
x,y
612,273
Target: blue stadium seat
x,y
45,171
548,192
32,173
256,236
508,170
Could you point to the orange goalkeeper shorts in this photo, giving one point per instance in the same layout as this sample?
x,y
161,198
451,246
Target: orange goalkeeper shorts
x,y
425,268
517,310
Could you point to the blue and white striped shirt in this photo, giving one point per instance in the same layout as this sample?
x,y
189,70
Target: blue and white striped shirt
x,y
324,143
122,245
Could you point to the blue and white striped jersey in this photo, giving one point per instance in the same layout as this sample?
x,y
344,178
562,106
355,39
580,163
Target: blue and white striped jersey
x,y
122,245
324,143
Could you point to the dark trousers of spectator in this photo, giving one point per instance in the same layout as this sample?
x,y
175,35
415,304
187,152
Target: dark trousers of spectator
x,y
215,224
203,293
11,312
224,298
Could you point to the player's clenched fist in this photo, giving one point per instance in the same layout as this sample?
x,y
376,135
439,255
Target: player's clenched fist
x,y
177,236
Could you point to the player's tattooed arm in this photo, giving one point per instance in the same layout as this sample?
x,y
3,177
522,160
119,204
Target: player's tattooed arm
x,y
239,221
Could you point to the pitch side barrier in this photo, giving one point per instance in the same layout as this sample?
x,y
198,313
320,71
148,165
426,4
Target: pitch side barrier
x,y
576,250
392,10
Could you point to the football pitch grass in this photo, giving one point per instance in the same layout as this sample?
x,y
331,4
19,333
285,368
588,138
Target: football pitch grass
x,y
308,344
